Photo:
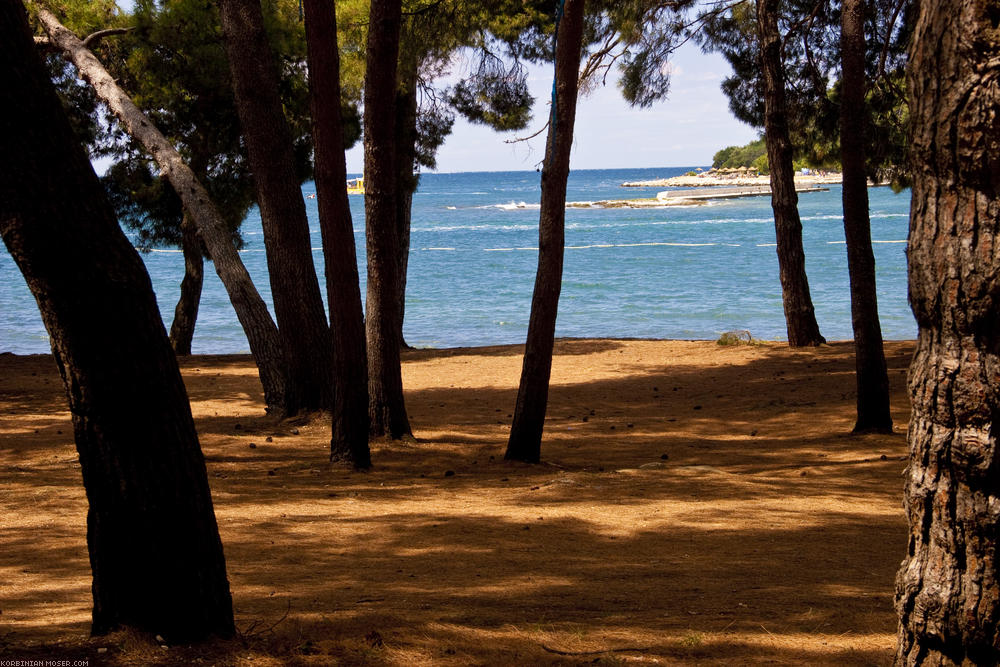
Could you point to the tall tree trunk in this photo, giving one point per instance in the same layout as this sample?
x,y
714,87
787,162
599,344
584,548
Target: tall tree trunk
x,y
947,588
250,308
154,545
408,179
385,382
349,439
800,318
186,311
298,304
525,443
872,376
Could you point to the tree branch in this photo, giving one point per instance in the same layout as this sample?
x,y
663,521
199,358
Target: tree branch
x,y
888,39
93,38
424,9
806,22
528,138
595,60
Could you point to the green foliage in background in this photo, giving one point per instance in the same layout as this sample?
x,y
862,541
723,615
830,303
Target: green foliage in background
x,y
741,156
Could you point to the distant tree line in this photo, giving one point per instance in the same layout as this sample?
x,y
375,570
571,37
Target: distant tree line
x,y
753,155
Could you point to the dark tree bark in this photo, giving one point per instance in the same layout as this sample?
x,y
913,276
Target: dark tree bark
x,y
872,376
154,546
186,311
947,588
261,333
800,318
349,440
298,304
408,179
385,382
525,441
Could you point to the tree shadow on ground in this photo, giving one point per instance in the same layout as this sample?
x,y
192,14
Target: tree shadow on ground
x,y
563,347
734,520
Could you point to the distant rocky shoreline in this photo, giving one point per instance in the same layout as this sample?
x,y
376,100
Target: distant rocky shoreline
x,y
690,196
740,178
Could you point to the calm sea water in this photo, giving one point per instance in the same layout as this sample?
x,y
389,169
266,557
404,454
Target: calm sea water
x,y
678,272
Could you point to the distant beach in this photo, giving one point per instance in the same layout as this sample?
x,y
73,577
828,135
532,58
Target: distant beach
x,y
734,177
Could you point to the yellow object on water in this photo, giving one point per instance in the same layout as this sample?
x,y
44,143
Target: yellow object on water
x,y
356,186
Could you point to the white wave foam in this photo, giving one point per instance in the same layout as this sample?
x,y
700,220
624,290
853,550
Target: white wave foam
x,y
821,217
473,228
873,241
658,223
618,245
512,206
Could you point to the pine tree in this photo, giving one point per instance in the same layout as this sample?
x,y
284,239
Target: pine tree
x,y
155,553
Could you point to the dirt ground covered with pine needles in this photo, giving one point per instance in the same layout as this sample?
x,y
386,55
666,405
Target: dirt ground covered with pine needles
x,y
696,504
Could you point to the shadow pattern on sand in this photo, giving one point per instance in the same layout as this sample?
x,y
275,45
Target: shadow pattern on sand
x,y
719,515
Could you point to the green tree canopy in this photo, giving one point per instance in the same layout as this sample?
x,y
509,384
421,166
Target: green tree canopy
x,y
741,156
173,64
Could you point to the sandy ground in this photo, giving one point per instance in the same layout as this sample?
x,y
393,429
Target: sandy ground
x,y
697,504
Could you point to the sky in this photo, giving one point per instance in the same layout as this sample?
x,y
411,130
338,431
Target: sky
x,y
685,130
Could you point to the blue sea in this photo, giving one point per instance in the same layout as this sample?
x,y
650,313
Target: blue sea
x,y
688,272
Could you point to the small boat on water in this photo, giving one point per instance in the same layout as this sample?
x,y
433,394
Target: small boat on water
x,y
356,186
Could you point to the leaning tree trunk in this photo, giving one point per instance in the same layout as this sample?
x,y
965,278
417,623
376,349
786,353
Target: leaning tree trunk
x,y
408,179
385,382
349,439
298,304
947,588
154,545
186,311
871,374
525,443
800,318
250,308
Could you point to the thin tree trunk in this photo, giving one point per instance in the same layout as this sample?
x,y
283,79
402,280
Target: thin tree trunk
x,y
186,311
250,308
525,441
385,382
408,179
298,303
155,553
800,318
947,588
872,376
349,439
